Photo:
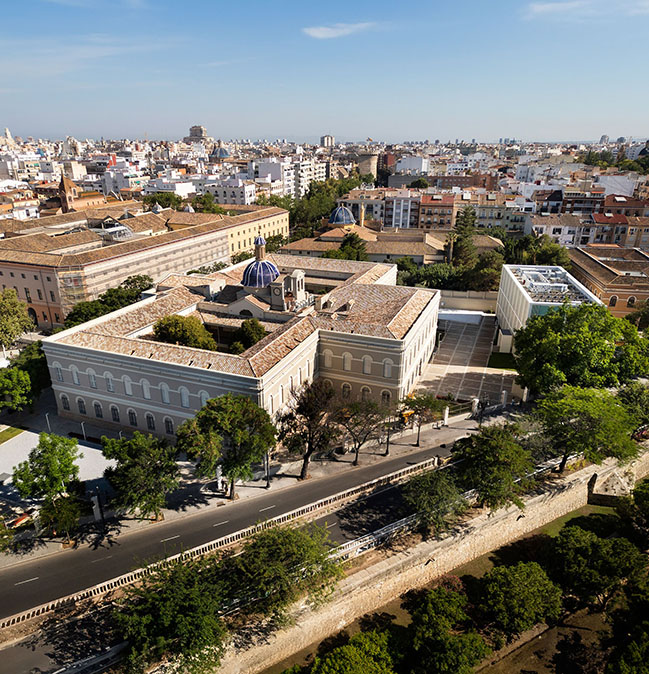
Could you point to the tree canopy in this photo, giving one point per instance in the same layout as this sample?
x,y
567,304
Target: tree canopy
x,y
145,473
230,431
164,199
184,330
494,464
32,360
304,428
352,247
15,319
586,421
250,332
515,598
366,653
425,407
15,389
580,345
419,184
49,469
436,498
360,421
126,293
640,317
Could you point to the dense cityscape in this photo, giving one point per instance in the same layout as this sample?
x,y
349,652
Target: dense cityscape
x,y
330,402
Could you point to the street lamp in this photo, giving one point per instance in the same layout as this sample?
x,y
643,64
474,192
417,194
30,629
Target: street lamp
x,y
83,430
267,464
47,419
387,439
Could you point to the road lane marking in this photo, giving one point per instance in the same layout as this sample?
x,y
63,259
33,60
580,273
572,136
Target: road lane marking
x,y
103,559
29,580
218,524
266,508
164,540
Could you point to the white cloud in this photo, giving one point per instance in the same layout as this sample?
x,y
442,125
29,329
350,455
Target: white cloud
x,y
337,30
582,9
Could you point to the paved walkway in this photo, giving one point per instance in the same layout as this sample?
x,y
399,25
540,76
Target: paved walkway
x,y
459,366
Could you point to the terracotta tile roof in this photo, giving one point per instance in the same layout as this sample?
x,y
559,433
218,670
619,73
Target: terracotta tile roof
x,y
609,219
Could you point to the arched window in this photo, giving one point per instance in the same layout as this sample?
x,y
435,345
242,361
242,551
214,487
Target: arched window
x,y
132,417
365,393
146,389
308,370
184,396
75,374
281,394
81,404
270,404
387,368
613,301
128,385
65,402
204,397
108,378
386,396
245,313
58,371
99,412
164,393
92,378
347,361
327,357
150,422
114,413
346,391
367,364
169,426
631,301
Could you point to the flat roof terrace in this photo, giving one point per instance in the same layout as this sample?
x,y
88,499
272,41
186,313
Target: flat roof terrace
x,y
552,285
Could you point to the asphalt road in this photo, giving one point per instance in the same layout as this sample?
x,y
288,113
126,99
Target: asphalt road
x,y
42,580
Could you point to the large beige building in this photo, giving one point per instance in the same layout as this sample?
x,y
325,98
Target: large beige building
x,y
346,322
58,261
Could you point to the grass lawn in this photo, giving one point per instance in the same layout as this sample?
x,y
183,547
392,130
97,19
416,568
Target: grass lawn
x,y
502,361
9,433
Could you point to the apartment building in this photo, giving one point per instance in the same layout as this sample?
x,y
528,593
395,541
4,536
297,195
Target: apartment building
x,y
438,211
402,209
618,276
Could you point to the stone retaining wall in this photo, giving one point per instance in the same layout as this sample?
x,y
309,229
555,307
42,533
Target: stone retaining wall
x,y
369,589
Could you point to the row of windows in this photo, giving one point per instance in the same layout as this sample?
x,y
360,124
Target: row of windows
x,y
128,385
367,361
614,298
366,392
49,279
115,415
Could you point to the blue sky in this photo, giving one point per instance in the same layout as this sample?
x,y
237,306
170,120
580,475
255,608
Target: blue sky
x,y
556,70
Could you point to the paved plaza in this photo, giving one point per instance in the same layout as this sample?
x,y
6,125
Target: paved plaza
x,y
459,366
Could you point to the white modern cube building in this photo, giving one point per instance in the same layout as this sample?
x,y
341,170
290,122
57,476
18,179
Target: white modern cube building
x,y
532,290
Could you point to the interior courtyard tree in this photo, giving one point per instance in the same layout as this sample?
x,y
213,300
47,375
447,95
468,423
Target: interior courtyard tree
x,y
230,431
304,427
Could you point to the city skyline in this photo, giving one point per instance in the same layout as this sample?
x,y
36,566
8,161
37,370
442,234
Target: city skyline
x,y
531,70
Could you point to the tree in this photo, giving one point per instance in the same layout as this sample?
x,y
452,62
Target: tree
x,y
49,469
32,360
425,407
6,536
304,428
640,317
231,431
145,473
60,515
465,253
634,511
586,422
175,612
250,332
634,396
275,242
436,645
352,247
184,330
15,389
278,565
419,184
465,221
164,199
578,345
551,253
241,256
366,653
360,421
205,203
574,656
436,498
592,568
494,464
15,319
515,598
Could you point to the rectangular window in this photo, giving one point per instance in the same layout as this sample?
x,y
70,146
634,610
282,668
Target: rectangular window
x,y
40,294
52,296
28,295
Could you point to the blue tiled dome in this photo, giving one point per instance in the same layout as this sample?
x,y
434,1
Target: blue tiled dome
x,y
259,240
219,153
259,274
341,216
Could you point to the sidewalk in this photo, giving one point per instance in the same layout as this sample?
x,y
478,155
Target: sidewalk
x,y
193,496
